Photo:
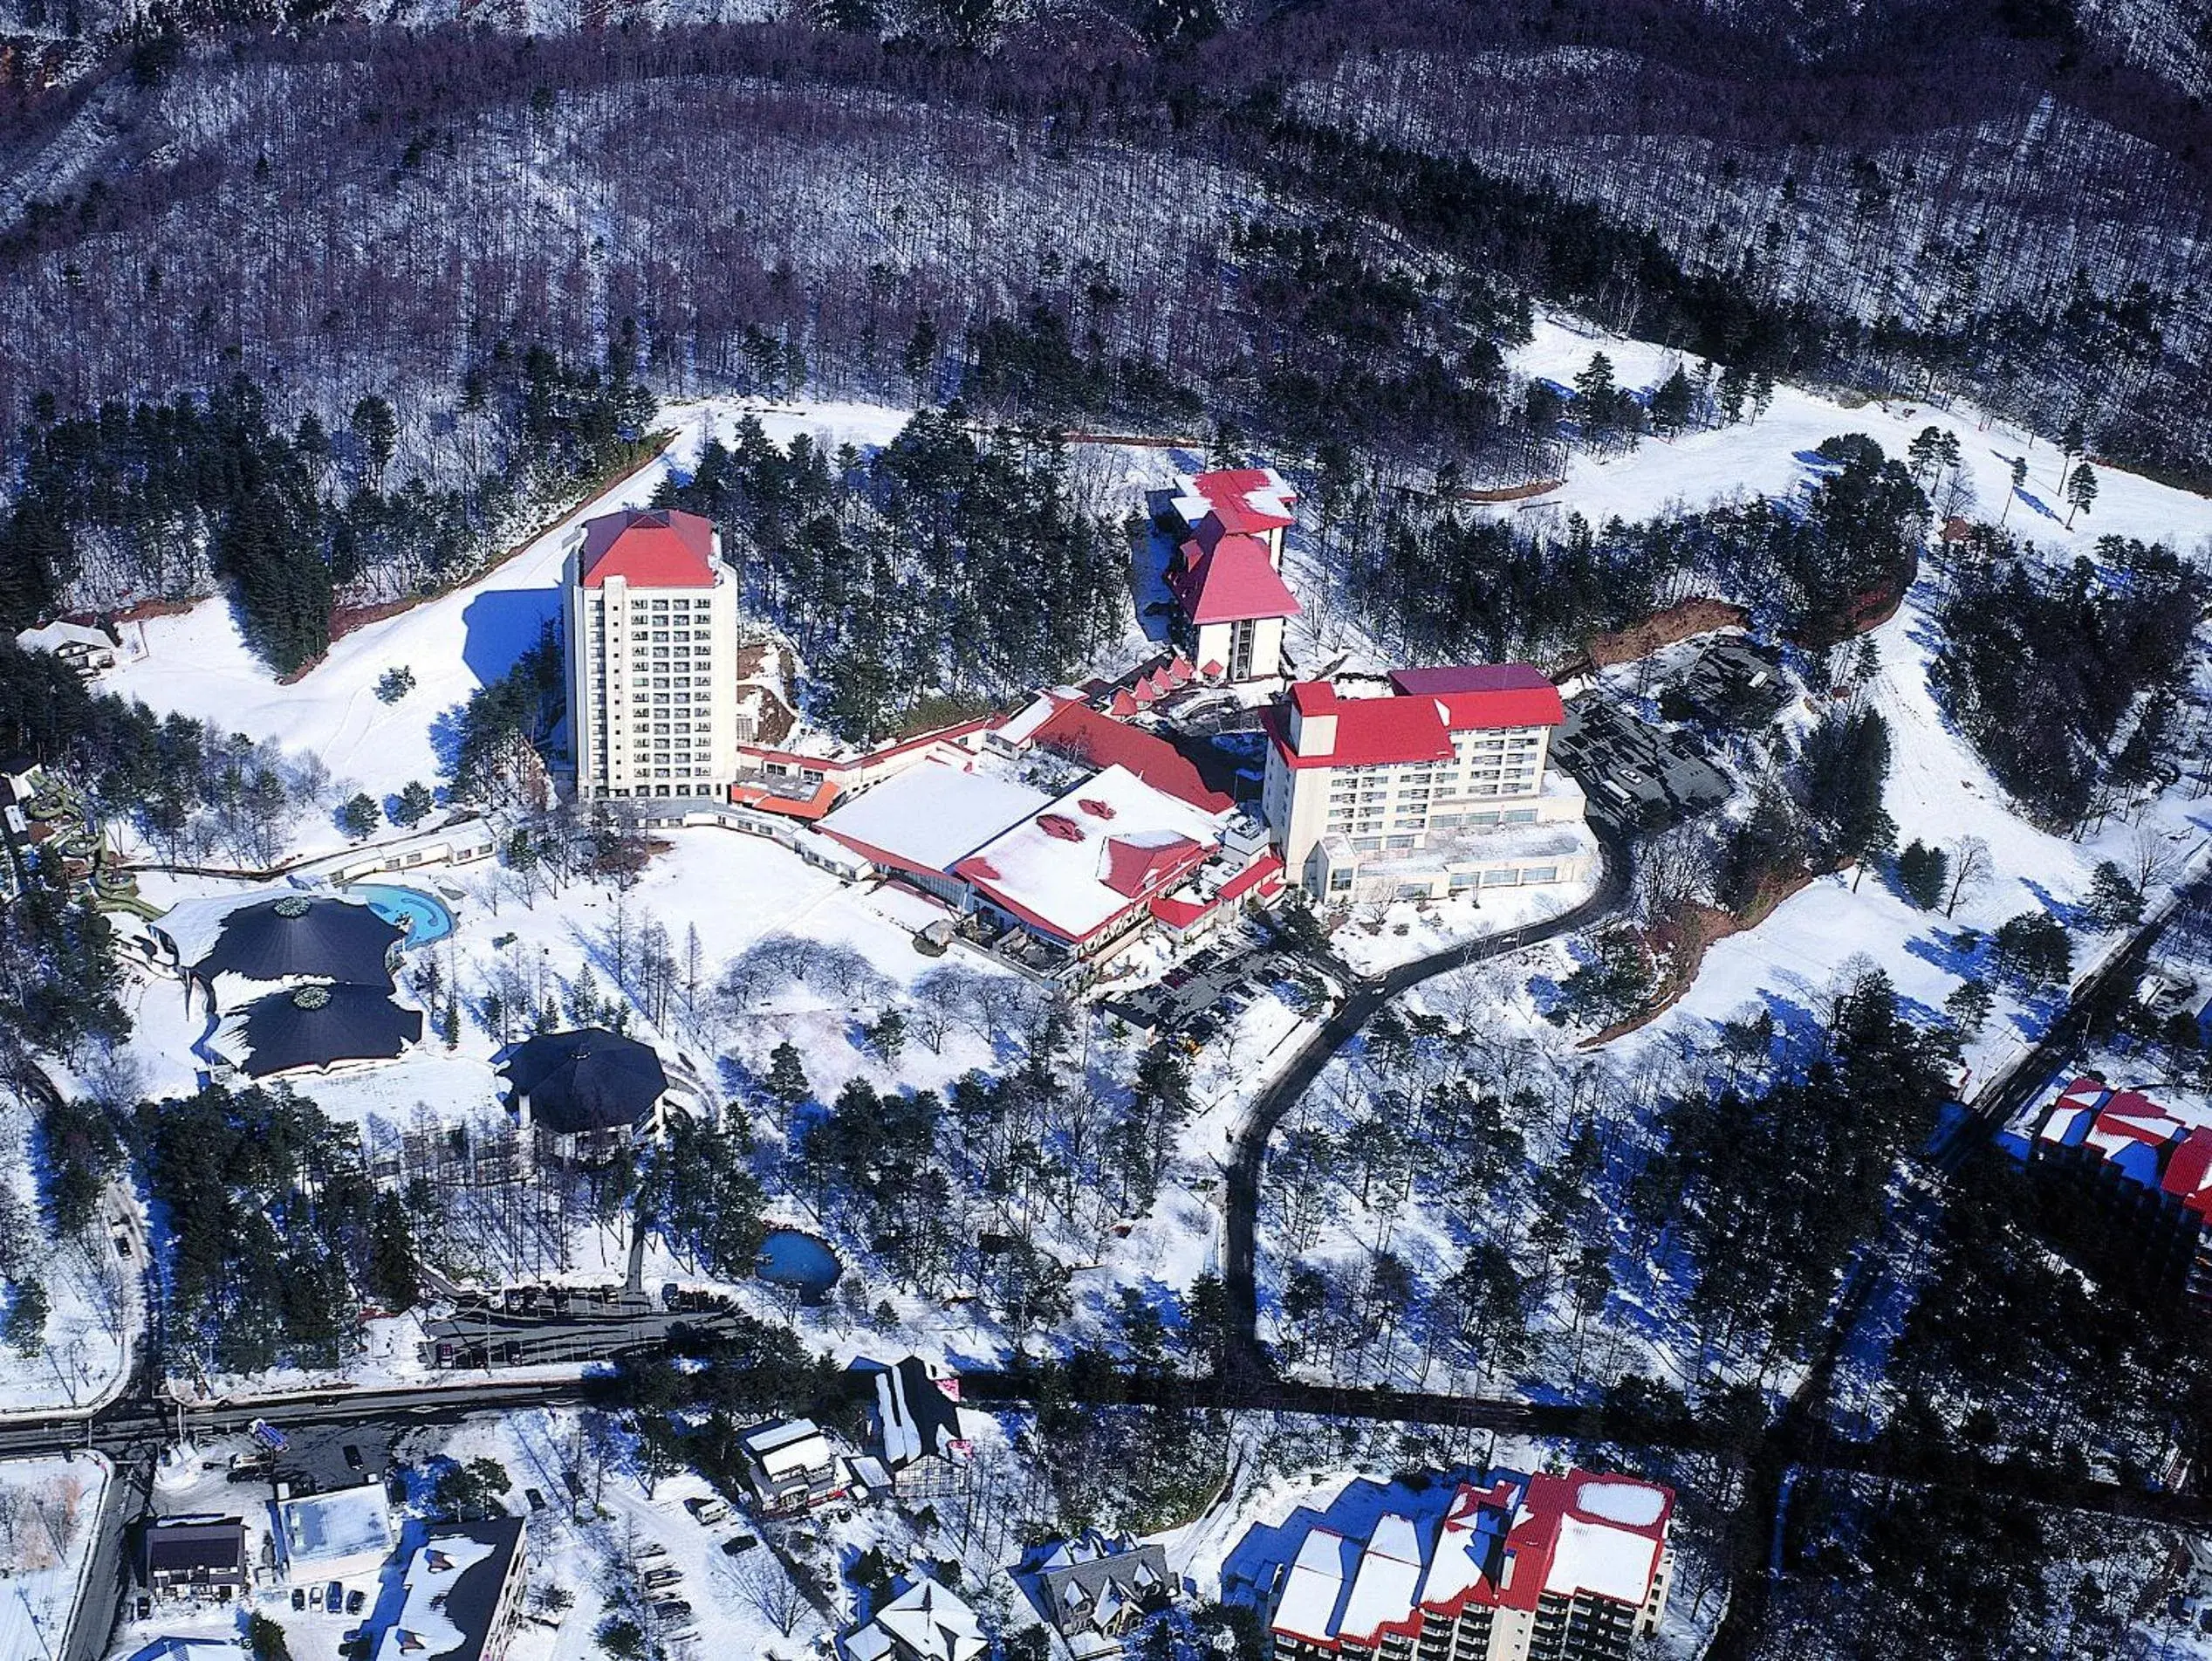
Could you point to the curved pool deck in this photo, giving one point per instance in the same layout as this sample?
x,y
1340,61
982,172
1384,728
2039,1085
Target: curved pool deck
x,y
426,917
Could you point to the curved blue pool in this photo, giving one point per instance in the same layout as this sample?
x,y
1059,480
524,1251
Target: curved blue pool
x,y
789,1257
424,916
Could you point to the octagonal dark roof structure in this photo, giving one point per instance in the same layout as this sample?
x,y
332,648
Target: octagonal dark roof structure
x,y
321,1024
586,1081
296,936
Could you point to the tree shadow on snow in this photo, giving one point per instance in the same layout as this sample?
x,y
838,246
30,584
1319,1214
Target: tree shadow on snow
x,y
1947,953
2068,913
502,624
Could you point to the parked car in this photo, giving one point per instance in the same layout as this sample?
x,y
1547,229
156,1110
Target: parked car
x,y
334,1599
299,1597
353,1456
356,1601
712,1509
314,1598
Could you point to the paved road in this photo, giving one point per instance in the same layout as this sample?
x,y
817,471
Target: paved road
x,y
1248,1155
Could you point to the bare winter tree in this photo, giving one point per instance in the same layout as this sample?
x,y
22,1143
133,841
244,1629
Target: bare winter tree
x,y
764,1588
2152,860
1971,870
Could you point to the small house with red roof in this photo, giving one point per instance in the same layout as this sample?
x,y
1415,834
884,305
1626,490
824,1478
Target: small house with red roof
x,y
1507,1569
1434,783
1226,573
2147,1170
652,646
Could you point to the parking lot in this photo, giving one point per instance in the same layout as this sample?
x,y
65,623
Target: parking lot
x,y
1216,983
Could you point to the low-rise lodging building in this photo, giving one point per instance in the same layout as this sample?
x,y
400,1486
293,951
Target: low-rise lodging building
x,y
2146,1172
1226,573
195,1557
1544,1568
1098,1591
1435,786
1080,876
792,1467
917,1420
343,1535
924,1623
462,1593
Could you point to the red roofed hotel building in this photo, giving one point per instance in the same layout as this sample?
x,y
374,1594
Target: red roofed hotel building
x,y
1572,1568
1437,787
652,657
1226,571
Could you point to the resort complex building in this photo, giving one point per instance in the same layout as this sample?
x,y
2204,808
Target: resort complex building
x,y
652,657
1433,784
2146,1173
1572,1568
1226,573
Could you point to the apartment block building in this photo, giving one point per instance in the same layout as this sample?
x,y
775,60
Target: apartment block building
x,y
1567,1567
1437,786
651,615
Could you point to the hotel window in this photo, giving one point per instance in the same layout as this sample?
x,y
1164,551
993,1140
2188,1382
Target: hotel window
x,y
1366,844
1539,874
1399,842
1463,879
1520,816
1500,878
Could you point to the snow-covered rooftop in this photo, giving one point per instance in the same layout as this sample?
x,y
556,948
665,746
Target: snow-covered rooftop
x,y
320,1529
930,816
452,1585
927,1620
1110,843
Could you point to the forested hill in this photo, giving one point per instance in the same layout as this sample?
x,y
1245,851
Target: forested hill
x,y
1303,221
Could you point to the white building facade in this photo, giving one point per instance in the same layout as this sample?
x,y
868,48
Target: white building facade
x,y
1438,786
652,643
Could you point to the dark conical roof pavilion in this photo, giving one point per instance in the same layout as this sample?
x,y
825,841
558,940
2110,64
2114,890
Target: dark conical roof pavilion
x,y
586,1081
299,937
317,1026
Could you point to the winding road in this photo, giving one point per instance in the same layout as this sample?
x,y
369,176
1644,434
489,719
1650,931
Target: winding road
x,y
1368,996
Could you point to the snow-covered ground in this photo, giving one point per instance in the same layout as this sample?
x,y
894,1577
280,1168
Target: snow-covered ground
x,y
1762,456
92,1292
1406,930
198,663
49,1521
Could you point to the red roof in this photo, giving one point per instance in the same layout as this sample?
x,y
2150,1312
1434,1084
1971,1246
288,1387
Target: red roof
x,y
1080,732
2189,1172
1246,499
1486,695
1241,515
649,548
1134,864
1371,732
1235,583
810,807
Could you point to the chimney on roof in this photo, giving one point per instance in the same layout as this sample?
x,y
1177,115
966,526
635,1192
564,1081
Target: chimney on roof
x,y
1313,718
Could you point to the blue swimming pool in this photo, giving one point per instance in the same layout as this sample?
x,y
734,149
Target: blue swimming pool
x,y
792,1257
424,918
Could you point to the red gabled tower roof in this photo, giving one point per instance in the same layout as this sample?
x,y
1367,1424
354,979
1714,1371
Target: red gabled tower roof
x,y
1236,582
649,548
